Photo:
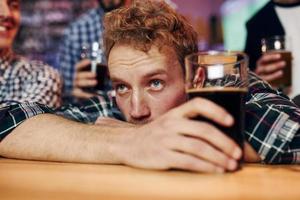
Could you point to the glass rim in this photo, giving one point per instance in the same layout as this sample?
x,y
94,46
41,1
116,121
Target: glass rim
x,y
213,52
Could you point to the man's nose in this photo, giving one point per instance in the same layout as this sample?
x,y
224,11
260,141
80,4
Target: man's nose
x,y
139,106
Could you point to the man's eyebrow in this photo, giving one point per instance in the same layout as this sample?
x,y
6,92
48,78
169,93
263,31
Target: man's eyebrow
x,y
147,75
156,72
115,79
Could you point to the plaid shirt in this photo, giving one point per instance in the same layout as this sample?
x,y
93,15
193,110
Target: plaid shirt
x,y
272,120
22,80
84,31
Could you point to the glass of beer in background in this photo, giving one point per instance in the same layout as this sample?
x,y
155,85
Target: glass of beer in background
x,y
221,77
280,45
95,54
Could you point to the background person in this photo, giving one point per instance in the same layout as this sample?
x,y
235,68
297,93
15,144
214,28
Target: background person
x,y
20,79
278,17
82,33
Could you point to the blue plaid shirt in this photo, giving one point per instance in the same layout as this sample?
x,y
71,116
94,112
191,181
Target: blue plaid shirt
x,y
84,31
272,124
27,80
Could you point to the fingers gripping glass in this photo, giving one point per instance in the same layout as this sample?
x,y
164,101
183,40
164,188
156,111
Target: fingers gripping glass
x,y
280,45
221,77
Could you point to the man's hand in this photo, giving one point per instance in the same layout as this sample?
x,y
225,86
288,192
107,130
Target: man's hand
x,y
175,141
83,79
270,67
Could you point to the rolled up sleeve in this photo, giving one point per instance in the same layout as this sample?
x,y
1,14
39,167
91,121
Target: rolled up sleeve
x,y
14,115
271,131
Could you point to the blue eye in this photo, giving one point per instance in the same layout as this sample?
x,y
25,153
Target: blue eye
x,y
121,89
156,84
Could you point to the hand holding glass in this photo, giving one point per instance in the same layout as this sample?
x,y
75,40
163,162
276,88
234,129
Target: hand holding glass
x,y
222,78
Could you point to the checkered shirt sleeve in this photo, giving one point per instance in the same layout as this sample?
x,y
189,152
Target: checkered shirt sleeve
x,y
86,30
272,124
86,111
13,115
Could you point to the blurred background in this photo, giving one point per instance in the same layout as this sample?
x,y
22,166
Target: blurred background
x,y
220,23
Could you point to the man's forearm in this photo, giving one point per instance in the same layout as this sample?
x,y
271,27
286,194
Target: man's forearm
x,y
52,138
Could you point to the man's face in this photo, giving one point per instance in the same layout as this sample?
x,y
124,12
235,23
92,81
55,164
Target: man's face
x,y
9,22
147,84
109,5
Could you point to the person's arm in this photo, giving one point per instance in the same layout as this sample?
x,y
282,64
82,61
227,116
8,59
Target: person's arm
x,y
272,124
32,131
14,115
52,138
171,141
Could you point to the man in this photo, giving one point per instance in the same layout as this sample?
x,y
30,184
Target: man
x,y
278,17
146,46
22,80
74,62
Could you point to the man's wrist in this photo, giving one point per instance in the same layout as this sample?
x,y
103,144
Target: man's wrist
x,y
118,145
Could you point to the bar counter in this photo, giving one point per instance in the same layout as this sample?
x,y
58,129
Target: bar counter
x,y
24,180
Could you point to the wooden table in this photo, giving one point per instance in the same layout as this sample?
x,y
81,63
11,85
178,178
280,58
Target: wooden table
x,y
49,180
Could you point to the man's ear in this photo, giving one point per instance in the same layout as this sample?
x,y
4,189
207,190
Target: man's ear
x,y
199,78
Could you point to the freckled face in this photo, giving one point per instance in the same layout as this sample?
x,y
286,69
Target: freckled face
x,y
147,84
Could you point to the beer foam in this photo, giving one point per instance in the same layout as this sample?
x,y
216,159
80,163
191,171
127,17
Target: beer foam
x,y
217,59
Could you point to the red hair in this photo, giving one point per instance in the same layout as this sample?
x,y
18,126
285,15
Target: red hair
x,y
145,23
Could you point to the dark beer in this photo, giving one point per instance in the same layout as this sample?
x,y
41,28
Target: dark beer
x,y
101,75
231,99
286,79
